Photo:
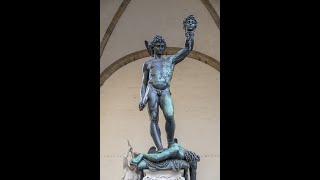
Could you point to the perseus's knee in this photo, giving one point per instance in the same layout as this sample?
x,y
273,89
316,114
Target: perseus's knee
x,y
168,112
154,116
170,117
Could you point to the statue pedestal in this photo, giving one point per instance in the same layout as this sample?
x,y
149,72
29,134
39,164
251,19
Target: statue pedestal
x,y
174,163
163,175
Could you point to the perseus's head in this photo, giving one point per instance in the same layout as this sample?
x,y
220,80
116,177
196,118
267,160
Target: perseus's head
x,y
158,45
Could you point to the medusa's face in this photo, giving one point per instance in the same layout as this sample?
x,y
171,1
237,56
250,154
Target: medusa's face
x,y
191,25
159,48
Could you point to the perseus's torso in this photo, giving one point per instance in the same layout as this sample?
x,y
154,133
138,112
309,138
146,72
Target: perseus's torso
x,y
160,72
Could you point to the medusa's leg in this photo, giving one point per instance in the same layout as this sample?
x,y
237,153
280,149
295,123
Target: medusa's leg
x,y
193,170
186,173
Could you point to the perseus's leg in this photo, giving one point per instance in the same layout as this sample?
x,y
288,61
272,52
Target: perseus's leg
x,y
166,105
153,109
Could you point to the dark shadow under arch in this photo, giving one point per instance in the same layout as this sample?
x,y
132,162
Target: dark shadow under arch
x,y
144,53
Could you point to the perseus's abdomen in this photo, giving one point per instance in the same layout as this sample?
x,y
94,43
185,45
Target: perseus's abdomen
x,y
160,76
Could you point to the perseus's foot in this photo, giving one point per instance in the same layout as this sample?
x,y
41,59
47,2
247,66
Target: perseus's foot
x,y
161,150
170,144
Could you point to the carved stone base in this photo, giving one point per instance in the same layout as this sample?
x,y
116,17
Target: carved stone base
x,y
163,175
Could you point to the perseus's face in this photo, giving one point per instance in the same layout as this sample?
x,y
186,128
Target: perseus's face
x,y
159,48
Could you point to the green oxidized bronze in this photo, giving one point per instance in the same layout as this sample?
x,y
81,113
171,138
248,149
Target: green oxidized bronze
x,y
173,158
174,152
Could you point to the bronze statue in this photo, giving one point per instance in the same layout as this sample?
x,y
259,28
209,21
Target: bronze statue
x,y
174,158
157,75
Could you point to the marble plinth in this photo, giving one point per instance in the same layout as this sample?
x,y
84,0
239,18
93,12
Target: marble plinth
x,y
163,175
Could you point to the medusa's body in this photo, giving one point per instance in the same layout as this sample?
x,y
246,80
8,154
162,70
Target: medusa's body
x,y
173,158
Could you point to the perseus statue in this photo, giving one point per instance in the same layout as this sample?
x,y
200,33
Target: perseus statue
x,y
157,75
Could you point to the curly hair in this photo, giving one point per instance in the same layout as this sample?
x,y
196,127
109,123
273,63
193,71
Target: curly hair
x,y
158,39
191,156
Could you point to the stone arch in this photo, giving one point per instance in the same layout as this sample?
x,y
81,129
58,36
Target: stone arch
x,y
144,53
122,9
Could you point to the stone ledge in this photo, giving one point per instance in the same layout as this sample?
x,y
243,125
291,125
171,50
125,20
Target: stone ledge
x,y
163,175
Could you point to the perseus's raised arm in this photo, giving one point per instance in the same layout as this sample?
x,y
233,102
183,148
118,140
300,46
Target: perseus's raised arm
x,y
183,53
189,25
